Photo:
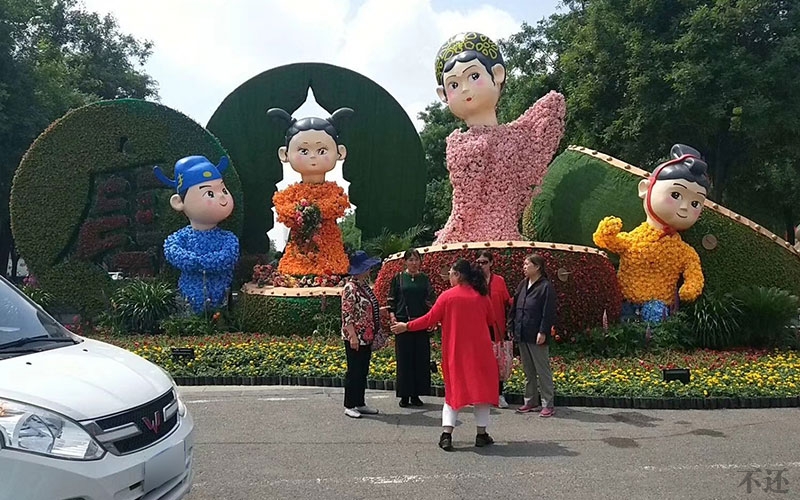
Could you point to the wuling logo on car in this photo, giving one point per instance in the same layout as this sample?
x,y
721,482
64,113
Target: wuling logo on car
x,y
155,424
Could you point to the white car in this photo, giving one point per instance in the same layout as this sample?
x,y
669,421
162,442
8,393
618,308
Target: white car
x,y
84,420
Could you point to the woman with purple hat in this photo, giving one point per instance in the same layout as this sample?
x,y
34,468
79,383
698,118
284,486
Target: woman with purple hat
x,y
360,325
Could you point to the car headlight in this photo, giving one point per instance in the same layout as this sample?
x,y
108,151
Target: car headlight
x,y
32,429
181,406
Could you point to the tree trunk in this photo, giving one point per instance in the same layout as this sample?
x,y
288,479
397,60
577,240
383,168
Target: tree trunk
x,y
14,263
6,244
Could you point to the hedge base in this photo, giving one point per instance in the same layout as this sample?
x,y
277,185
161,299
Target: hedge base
x,y
515,399
292,312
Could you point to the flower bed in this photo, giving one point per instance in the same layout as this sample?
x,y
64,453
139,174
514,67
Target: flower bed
x,y
714,374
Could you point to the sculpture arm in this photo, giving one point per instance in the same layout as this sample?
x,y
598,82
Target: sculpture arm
x,y
608,235
178,253
334,205
284,203
538,132
693,280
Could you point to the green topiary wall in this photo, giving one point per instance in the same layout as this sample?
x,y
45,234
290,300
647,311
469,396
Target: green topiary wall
x,y
580,189
288,316
385,163
85,201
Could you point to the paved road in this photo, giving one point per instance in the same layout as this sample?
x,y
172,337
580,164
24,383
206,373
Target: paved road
x,y
287,442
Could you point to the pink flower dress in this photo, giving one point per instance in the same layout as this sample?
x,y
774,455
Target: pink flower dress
x,y
493,170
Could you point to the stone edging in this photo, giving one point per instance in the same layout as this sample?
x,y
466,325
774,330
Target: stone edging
x,y
591,401
480,245
280,291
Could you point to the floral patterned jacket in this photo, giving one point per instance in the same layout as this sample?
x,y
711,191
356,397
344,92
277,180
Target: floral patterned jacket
x,y
359,308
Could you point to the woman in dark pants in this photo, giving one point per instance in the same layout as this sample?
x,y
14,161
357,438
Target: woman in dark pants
x,y
533,316
411,296
360,324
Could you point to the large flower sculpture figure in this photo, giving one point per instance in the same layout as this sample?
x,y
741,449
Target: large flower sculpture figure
x,y
310,208
653,257
205,254
493,168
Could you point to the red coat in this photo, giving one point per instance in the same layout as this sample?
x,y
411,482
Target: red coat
x,y
469,367
501,299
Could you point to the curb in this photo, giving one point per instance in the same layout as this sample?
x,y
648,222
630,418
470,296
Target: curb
x,y
693,403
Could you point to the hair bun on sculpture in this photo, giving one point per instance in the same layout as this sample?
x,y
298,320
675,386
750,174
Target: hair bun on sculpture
x,y
692,168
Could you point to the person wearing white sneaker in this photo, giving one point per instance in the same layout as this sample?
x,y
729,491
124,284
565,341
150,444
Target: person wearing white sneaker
x,y
502,403
360,324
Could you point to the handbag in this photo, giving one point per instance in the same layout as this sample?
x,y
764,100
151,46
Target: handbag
x,y
380,340
504,354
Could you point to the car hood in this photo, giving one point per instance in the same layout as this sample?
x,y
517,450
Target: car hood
x,y
82,381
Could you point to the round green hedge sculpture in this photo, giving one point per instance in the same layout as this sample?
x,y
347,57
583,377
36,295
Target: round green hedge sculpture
x,y
385,162
85,200
582,186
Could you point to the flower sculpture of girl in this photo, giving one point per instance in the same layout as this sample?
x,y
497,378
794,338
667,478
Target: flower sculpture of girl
x,y
205,254
493,168
653,256
310,207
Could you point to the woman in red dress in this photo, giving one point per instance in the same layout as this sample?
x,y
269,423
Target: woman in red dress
x,y
469,367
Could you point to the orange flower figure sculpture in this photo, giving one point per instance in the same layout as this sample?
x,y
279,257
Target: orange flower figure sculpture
x,y
311,207
653,256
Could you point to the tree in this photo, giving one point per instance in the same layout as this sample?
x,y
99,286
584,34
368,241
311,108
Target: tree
x,y
55,56
720,75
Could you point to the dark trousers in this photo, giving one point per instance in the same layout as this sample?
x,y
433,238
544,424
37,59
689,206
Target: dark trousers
x,y
355,380
413,355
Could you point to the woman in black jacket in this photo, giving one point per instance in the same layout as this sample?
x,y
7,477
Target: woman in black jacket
x,y
411,296
532,317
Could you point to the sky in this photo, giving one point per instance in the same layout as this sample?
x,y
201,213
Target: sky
x,y
204,49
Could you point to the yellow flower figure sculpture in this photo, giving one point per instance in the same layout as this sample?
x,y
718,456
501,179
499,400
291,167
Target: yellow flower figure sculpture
x,y
653,257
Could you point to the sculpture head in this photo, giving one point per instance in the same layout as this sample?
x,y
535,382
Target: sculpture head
x,y
200,191
312,144
674,194
470,72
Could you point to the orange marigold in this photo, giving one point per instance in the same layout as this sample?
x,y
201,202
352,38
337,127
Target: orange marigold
x,y
329,257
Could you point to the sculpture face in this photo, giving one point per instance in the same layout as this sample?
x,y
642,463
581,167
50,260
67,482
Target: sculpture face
x,y
205,205
469,90
676,202
312,154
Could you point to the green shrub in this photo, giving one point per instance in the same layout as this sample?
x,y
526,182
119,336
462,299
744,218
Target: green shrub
x,y
768,314
628,339
288,316
580,189
38,295
139,306
715,321
388,243
85,201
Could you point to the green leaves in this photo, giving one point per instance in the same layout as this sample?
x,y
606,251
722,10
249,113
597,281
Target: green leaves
x,y
140,306
388,243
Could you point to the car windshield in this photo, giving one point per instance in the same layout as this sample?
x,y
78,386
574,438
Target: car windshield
x,y
24,326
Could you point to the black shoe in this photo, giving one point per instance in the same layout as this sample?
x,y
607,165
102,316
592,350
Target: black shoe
x,y
446,441
415,401
482,440
403,402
